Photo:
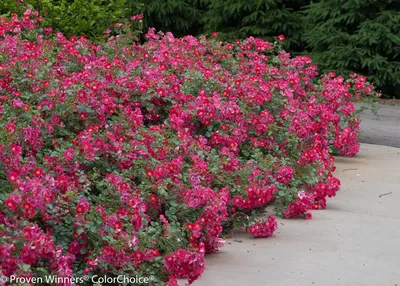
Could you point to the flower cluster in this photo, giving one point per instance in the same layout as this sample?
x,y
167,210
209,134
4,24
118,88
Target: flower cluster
x,y
133,158
263,228
301,206
183,264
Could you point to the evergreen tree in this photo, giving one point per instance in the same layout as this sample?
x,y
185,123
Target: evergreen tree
x,y
181,17
357,36
235,19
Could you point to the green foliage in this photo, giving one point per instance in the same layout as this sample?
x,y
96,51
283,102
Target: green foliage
x,y
236,19
75,17
357,36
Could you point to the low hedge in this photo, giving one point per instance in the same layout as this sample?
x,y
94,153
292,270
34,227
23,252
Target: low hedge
x,y
133,159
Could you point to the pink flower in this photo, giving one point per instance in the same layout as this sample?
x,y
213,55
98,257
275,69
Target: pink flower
x,y
185,264
69,154
74,247
284,175
10,127
83,206
93,262
108,250
301,206
263,228
137,17
38,172
10,203
138,256
13,176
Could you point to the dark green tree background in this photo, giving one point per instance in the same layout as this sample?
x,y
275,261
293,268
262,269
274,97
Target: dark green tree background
x,y
236,19
182,17
357,36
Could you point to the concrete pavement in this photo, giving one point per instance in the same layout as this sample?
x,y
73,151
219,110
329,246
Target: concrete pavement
x,y
354,242
382,130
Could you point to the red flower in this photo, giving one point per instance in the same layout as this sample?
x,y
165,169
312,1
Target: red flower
x,y
138,256
118,226
13,176
27,206
92,262
16,150
83,115
38,172
11,204
10,127
154,198
69,154
183,263
108,250
74,247
264,228
82,207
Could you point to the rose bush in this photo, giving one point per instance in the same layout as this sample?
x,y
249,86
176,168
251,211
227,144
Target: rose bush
x,y
133,158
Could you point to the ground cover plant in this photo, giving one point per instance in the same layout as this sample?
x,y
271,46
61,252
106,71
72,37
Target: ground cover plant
x,y
131,158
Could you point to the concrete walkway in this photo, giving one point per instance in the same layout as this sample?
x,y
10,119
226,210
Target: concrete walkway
x,y
382,130
354,242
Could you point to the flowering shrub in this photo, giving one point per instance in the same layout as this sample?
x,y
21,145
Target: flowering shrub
x,y
129,158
